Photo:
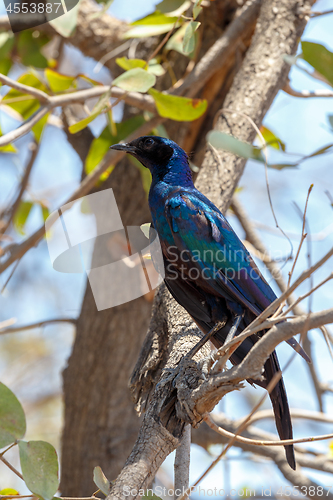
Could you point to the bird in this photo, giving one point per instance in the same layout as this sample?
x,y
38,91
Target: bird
x,y
208,270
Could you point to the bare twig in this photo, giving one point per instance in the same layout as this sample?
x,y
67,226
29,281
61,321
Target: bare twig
x,y
39,324
307,93
182,463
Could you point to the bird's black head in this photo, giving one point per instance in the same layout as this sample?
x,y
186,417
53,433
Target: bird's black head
x,y
162,156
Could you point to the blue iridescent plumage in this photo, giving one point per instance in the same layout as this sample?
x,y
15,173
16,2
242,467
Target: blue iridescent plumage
x,y
207,268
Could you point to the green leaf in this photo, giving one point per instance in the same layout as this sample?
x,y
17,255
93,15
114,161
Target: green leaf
x,y
39,127
66,24
100,106
325,149
145,228
155,68
29,48
135,80
147,31
100,146
101,481
12,418
320,58
28,105
6,44
176,41
21,215
178,108
271,139
39,464
196,11
127,64
8,491
220,140
189,41
9,148
58,82
281,166
45,212
155,19
5,65
167,6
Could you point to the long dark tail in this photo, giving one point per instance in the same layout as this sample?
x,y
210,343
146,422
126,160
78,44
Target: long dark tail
x,y
280,405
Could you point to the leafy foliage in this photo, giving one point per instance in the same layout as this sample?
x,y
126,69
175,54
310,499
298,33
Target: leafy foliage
x,y
12,418
178,108
320,58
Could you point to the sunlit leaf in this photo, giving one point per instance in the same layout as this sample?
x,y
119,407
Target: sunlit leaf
x,y
5,65
39,127
66,24
59,82
127,64
176,41
178,108
101,480
98,108
175,7
28,105
196,11
149,30
39,464
135,80
8,491
189,40
220,140
6,44
21,215
271,139
12,418
29,48
100,146
154,19
320,58
45,212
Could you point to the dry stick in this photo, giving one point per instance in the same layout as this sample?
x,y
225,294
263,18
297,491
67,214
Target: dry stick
x,y
39,324
242,426
307,93
258,442
112,157
182,462
133,99
13,209
303,236
11,467
304,414
310,292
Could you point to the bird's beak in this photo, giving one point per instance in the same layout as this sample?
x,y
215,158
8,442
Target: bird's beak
x,y
124,147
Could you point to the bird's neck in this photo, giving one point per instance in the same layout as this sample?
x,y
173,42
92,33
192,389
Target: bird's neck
x,y
176,173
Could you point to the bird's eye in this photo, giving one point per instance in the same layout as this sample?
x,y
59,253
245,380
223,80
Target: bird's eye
x,y
149,143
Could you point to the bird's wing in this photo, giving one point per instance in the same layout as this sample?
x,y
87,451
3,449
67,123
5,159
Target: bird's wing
x,y
209,244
